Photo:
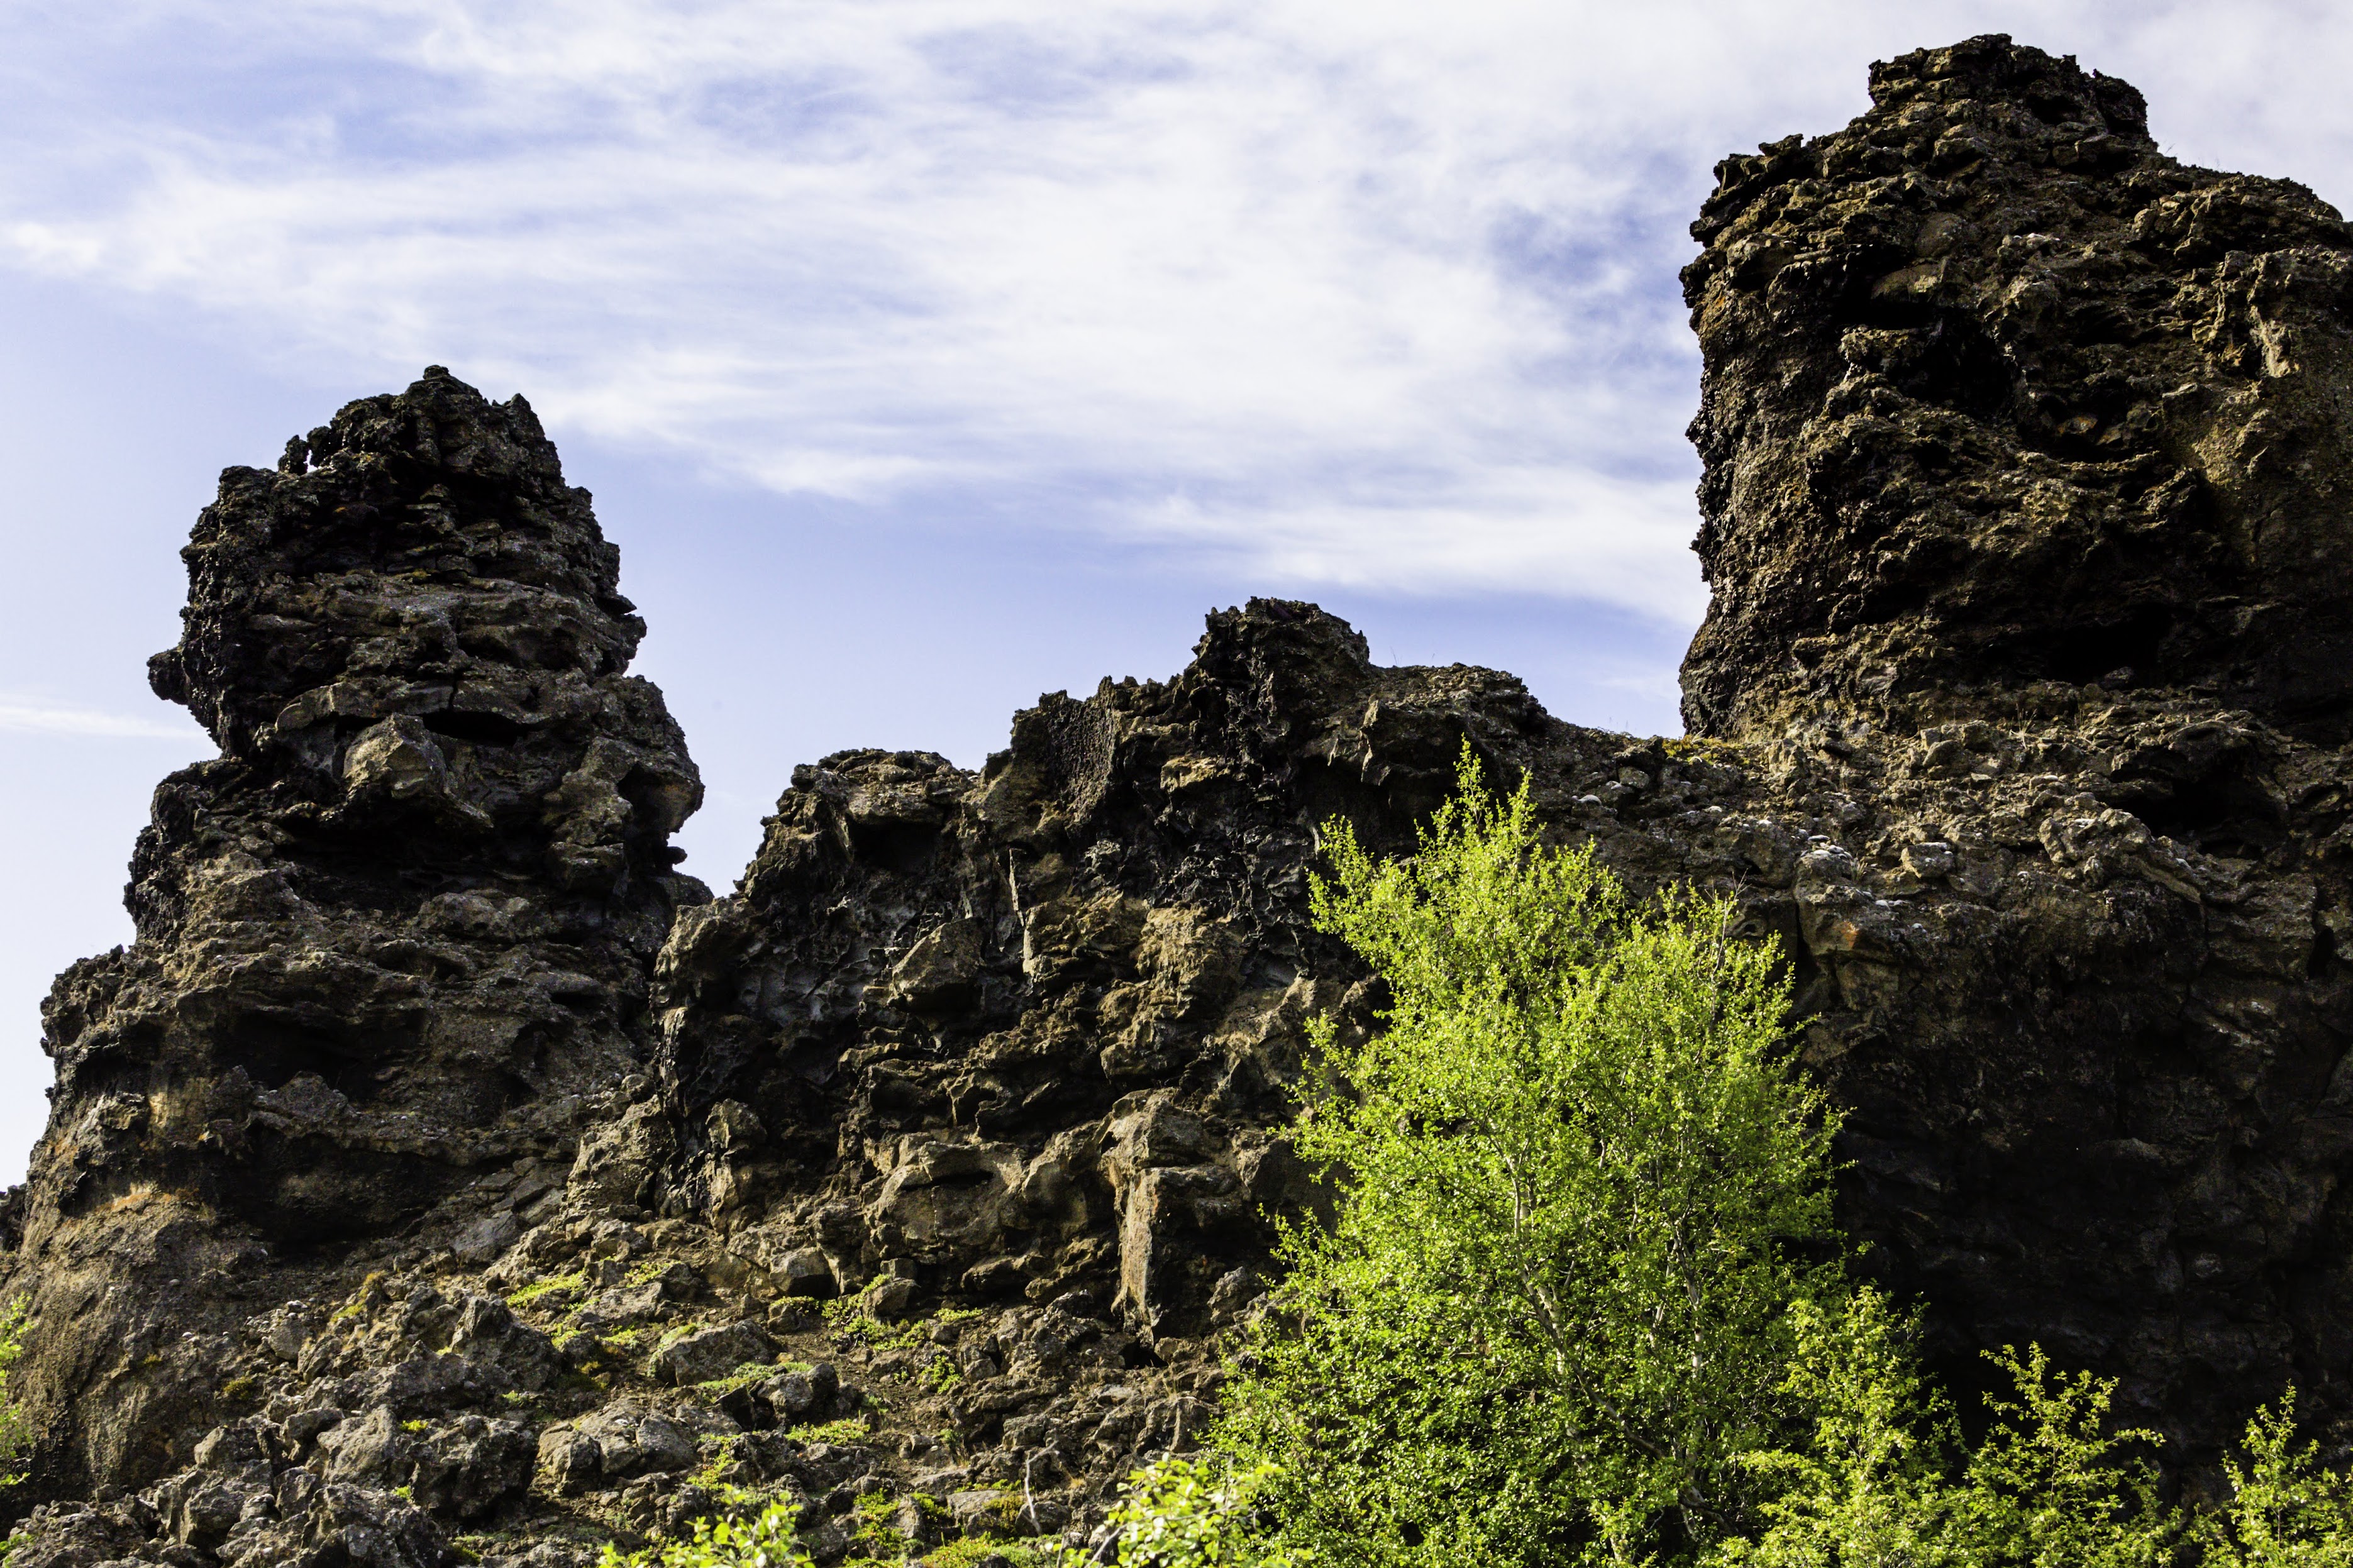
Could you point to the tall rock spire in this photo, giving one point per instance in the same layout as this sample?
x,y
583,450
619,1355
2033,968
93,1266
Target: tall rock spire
x,y
1998,396
387,938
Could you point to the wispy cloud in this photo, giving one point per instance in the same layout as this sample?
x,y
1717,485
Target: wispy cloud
x,y
20,715
1364,293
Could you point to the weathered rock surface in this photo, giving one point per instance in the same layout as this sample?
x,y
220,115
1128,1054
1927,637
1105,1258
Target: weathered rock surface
x,y
386,943
1997,394
438,1166
2027,465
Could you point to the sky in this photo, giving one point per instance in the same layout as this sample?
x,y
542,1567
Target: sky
x,y
924,357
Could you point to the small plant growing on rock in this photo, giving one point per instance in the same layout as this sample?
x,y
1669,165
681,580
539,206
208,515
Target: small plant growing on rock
x,y
15,1423
1189,1513
555,1284
744,1376
763,1540
974,1551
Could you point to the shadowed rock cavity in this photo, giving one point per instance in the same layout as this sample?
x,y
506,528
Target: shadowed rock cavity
x,y
2016,722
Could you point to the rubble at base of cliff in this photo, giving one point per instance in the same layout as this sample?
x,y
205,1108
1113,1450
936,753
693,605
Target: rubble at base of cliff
x,y
443,1176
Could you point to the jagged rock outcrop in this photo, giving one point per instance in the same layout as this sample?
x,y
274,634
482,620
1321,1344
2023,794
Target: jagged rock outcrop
x,y
2017,705
388,940
440,1166
1030,1030
1997,394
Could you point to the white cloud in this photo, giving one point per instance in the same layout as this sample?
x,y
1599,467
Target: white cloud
x,y
1383,291
33,716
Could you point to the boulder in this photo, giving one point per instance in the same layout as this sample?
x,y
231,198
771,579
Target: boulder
x,y
714,1353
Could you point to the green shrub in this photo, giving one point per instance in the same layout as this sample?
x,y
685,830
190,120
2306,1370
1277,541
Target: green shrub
x,y
1190,1513
764,1540
1581,1188
1884,1478
15,1422
2285,1509
1583,1300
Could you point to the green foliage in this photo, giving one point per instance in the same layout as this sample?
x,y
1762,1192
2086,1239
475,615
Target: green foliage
x,y
764,1540
973,1550
15,1421
1580,1180
745,1374
1885,1480
1583,1300
843,1429
370,1292
1190,1514
712,1476
2285,1509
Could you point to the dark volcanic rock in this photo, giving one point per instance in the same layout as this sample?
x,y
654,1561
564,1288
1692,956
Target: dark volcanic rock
x,y
2025,517
1997,393
2017,713
1011,1033
387,939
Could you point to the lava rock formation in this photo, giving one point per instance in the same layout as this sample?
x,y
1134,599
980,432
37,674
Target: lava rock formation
x,y
438,1165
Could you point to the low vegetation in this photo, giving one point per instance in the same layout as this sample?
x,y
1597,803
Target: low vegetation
x,y
15,1421
763,1540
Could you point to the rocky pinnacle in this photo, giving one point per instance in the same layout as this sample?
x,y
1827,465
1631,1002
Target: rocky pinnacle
x,y
388,937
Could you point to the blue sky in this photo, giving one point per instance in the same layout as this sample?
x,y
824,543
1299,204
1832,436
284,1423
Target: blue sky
x,y
924,357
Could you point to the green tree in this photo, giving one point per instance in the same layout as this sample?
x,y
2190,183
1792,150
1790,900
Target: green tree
x,y
1188,1513
1582,1187
1583,1300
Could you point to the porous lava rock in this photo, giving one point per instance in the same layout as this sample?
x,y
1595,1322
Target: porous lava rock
x,y
2025,519
440,1167
386,941
2014,718
1997,393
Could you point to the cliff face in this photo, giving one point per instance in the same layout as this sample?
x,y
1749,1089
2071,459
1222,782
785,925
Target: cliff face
x,y
2027,464
437,1164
